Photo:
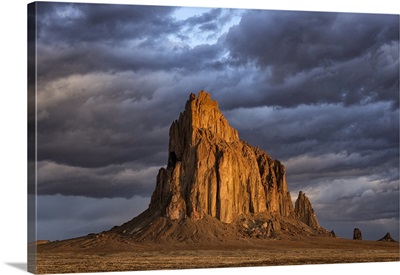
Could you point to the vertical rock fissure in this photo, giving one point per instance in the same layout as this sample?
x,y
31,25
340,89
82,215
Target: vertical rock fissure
x,y
249,193
209,194
172,159
218,199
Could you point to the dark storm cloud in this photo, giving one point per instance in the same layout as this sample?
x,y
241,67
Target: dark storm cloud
x,y
208,21
361,199
90,125
125,180
205,18
318,129
99,58
74,216
110,43
312,58
293,42
82,38
85,38
79,23
99,135
94,98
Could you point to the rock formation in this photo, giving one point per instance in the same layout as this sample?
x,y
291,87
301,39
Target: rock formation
x,y
304,211
217,185
387,238
212,172
357,234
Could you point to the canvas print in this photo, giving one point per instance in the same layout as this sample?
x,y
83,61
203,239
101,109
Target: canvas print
x,y
164,137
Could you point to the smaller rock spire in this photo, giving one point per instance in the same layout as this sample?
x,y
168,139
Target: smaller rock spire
x,y
304,211
357,234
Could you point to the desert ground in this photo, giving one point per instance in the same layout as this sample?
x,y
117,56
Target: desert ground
x,y
85,255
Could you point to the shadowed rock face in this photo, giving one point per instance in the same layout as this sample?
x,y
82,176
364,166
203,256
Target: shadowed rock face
x,y
212,172
387,238
304,211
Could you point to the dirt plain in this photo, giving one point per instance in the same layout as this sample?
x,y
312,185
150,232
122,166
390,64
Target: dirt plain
x,y
105,253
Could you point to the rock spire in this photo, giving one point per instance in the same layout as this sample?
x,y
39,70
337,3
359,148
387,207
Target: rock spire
x,y
357,235
304,211
212,172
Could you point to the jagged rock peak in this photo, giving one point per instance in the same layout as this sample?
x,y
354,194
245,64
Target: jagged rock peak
x,y
304,211
212,172
201,113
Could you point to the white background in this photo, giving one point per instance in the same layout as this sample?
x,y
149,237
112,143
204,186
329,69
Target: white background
x,y
13,130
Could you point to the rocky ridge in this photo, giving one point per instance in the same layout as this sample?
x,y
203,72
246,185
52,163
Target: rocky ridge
x,y
214,176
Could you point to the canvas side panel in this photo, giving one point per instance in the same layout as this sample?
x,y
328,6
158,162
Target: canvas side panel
x,y
32,190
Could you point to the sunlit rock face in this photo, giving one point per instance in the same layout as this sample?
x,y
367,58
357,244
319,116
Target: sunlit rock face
x,y
304,211
212,172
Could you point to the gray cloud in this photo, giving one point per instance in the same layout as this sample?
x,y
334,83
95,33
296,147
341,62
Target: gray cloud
x,y
74,23
292,42
75,216
360,199
124,180
112,121
115,38
312,58
319,129
204,18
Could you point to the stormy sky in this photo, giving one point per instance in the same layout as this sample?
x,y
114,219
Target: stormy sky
x,y
317,90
